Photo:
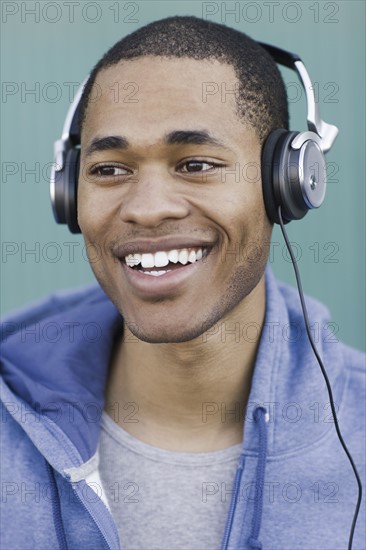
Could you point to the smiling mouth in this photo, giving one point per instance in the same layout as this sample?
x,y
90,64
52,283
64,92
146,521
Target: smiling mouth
x,y
162,262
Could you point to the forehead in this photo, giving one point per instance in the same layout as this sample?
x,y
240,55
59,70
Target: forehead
x,y
150,96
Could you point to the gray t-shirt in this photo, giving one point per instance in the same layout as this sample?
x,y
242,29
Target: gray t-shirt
x,y
165,500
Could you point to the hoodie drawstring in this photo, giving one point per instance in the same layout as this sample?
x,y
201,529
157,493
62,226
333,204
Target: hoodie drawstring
x,y
260,416
234,499
56,509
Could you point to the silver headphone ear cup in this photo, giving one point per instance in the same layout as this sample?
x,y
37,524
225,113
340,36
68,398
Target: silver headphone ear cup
x,y
312,172
292,178
298,176
279,178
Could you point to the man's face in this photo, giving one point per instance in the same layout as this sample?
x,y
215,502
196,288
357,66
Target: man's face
x,y
179,175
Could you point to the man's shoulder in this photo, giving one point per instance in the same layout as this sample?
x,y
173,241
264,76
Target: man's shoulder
x,y
356,359
57,303
355,362
320,320
321,327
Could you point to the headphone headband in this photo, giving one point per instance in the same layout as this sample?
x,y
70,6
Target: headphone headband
x,y
326,132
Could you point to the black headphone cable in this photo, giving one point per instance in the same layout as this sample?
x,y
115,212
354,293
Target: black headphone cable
x,y
330,393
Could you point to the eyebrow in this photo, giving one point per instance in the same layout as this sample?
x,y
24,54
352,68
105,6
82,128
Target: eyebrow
x,y
191,137
106,143
178,137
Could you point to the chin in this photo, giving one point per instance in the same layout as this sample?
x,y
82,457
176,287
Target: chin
x,y
165,334
175,328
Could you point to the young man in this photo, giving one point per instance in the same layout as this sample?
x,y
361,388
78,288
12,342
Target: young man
x,y
216,430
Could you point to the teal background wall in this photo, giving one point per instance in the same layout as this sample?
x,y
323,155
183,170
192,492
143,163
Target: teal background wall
x,y
49,46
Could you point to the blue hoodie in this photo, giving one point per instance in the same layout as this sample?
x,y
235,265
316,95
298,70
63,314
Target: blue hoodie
x,y
294,487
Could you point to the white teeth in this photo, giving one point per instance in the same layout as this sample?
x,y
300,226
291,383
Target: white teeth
x,y
133,259
183,256
173,256
192,256
161,259
147,260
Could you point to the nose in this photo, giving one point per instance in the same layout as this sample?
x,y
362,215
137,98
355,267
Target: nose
x,y
153,198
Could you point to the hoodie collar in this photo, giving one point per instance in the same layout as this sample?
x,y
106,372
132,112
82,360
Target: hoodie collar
x,y
287,381
57,363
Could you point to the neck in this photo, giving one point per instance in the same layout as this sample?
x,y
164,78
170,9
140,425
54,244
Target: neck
x,y
188,396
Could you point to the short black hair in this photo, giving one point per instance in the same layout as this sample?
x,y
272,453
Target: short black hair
x,y
262,99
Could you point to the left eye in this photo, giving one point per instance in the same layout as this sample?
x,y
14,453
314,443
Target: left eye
x,y
197,166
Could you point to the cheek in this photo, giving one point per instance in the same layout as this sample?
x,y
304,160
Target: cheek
x,y
92,219
93,210
243,209
248,229
86,208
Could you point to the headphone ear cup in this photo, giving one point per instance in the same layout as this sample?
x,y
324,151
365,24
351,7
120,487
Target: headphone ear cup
x,y
64,194
71,175
287,175
268,153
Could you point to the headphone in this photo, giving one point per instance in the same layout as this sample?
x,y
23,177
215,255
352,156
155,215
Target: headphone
x,y
293,163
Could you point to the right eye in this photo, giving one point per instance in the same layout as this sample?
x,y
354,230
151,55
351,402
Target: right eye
x,y
109,171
